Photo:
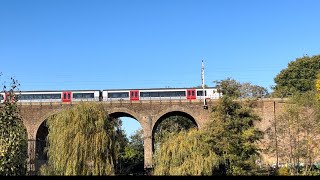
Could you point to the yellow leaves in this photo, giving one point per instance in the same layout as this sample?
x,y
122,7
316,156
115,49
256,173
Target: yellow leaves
x,y
318,89
80,135
185,153
318,86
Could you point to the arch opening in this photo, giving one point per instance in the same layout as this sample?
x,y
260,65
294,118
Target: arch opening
x,y
169,123
41,144
131,160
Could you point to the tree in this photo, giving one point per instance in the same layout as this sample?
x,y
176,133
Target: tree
x,y
132,159
82,141
123,141
247,90
171,125
230,87
298,77
231,131
298,133
13,136
185,153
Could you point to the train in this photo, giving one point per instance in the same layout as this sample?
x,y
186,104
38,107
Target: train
x,y
116,95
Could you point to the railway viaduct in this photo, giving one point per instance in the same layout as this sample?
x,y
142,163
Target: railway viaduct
x,y
148,113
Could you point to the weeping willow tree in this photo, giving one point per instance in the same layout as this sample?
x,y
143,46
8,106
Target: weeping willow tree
x,y
81,141
185,153
171,125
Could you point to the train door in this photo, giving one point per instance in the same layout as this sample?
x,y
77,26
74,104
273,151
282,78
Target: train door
x,y
134,95
191,94
66,96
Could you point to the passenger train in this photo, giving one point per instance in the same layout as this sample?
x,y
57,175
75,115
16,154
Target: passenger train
x,y
116,95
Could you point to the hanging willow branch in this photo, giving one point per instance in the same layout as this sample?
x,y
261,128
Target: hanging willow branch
x,y
185,153
81,141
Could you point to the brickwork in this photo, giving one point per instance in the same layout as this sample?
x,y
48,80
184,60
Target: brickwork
x,y
147,113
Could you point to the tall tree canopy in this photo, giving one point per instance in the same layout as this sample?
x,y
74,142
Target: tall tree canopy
x,y
231,132
13,136
82,141
232,88
299,76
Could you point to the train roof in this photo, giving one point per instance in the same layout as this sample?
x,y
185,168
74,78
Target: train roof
x,y
36,91
127,89
157,89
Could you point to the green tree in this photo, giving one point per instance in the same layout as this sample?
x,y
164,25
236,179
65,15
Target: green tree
x,y
132,159
231,131
13,136
82,141
298,77
123,141
247,90
231,87
185,153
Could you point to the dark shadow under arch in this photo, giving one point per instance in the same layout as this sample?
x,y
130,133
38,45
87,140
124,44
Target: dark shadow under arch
x,y
121,114
41,144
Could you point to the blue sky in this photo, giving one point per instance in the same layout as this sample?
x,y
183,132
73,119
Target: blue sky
x,y
112,44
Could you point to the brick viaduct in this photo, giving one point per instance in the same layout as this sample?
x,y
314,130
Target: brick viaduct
x,y
147,113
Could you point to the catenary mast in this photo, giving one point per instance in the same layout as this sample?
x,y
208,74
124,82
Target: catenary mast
x,y
203,91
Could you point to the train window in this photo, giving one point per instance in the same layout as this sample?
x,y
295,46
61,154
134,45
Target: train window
x,y
188,93
163,94
192,93
118,95
25,96
56,96
69,96
64,96
88,95
46,96
1,97
154,94
136,94
83,95
39,96
144,94
200,92
180,93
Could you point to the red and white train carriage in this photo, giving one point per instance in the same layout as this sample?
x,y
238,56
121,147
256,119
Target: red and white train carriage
x,y
159,94
116,94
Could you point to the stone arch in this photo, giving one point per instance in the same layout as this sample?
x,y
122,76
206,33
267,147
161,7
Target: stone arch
x,y
40,137
43,118
125,112
121,111
175,108
167,113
